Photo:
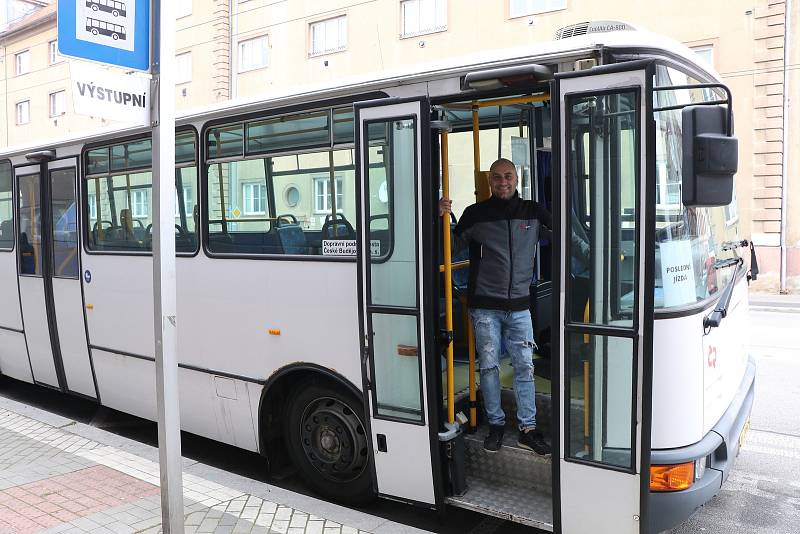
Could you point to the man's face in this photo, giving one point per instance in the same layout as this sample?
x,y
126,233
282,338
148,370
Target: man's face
x,y
503,180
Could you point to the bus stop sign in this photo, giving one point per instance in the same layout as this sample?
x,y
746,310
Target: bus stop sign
x,y
107,31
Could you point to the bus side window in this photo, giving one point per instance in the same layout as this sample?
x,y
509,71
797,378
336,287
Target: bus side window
x,y
300,203
6,208
118,196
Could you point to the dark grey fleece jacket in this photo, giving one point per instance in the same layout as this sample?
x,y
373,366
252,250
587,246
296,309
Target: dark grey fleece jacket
x,y
502,237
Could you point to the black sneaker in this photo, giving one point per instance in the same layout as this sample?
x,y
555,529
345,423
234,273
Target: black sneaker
x,y
534,440
494,440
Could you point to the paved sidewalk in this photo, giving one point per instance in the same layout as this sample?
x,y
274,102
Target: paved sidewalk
x,y
57,475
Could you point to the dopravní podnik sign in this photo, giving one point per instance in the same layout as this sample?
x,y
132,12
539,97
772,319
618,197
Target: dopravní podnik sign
x,y
677,272
103,93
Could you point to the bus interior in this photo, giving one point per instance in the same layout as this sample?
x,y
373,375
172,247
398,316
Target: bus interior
x,y
515,482
472,134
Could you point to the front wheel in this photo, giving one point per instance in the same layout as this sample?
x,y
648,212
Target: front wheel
x,y
327,441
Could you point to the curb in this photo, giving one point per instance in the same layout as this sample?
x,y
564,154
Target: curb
x,y
774,308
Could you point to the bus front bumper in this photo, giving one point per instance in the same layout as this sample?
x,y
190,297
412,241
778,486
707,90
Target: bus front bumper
x,y
720,447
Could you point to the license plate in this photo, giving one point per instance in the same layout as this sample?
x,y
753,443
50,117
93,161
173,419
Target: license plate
x,y
743,435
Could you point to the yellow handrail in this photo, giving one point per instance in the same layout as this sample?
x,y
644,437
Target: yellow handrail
x,y
448,282
455,266
545,97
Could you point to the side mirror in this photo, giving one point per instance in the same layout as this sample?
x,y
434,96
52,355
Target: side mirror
x,y
710,156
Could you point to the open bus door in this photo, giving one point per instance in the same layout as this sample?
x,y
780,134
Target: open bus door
x,y
605,313
397,339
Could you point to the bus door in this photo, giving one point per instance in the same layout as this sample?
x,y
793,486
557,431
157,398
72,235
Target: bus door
x,y
606,296
49,276
392,142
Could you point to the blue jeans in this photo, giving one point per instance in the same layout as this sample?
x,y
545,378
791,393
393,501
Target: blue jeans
x,y
515,331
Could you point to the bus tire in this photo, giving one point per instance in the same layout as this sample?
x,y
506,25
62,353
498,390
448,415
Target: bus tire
x,y
327,441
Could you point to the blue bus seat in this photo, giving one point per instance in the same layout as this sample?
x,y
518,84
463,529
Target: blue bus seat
x,y
292,239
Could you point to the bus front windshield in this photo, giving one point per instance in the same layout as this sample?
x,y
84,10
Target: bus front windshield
x,y
688,239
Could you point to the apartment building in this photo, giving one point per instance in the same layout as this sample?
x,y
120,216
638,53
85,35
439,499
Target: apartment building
x,y
14,10
231,49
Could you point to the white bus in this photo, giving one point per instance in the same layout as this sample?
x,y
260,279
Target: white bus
x,y
312,308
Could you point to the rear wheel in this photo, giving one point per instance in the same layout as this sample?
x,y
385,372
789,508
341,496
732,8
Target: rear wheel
x,y
327,441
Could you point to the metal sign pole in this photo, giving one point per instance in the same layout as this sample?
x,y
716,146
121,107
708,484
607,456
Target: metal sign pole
x,y
164,280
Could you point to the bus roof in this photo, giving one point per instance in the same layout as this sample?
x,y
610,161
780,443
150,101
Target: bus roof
x,y
636,42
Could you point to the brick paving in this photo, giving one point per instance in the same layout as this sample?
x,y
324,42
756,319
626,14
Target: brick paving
x,y
60,499
56,479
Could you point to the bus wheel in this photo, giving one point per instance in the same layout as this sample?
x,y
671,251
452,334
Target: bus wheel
x,y
94,31
115,13
115,36
94,7
327,441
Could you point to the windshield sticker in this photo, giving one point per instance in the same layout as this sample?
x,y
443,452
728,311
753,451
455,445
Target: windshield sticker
x,y
677,273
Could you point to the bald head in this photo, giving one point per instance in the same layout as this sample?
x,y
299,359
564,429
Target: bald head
x,y
503,179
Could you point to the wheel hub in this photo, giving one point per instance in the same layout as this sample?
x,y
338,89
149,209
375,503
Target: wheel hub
x,y
333,439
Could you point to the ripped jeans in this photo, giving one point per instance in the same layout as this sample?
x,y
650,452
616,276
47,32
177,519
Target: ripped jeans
x,y
515,329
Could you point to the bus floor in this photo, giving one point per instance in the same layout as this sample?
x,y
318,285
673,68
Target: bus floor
x,y
513,483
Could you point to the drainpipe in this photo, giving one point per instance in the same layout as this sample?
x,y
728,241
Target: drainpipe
x,y
785,172
5,93
233,61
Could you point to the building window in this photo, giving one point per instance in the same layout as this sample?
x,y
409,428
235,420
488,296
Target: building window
x,y
188,202
24,112
322,195
91,200
328,36
254,198
55,57
423,16
253,53
520,8
705,53
731,211
23,62
57,103
183,68
141,203
183,8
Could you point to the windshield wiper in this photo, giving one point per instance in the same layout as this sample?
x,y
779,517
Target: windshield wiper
x,y
713,319
727,262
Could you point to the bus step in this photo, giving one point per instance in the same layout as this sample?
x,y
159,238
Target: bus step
x,y
508,500
511,464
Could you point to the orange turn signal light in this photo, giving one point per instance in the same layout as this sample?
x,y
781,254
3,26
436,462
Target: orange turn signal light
x,y
673,477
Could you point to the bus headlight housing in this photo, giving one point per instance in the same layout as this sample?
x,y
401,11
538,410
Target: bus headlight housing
x,y
672,477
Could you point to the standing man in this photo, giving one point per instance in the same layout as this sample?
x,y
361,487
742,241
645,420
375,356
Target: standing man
x,y
502,233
